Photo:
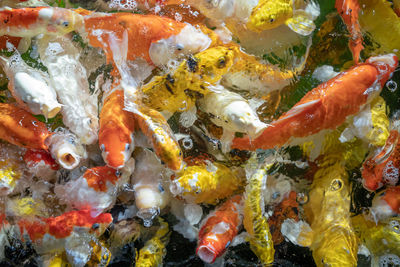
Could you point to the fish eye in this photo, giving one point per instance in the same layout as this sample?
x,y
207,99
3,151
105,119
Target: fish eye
x,y
127,147
180,153
221,62
180,47
102,147
118,173
271,20
65,24
95,226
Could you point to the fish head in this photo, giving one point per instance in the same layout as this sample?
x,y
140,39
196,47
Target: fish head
x,y
60,20
385,64
116,147
269,15
189,40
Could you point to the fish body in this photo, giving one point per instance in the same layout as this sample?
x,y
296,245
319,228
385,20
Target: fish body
x,y
254,220
348,10
384,167
29,22
116,130
154,250
41,163
386,204
160,38
326,106
219,229
20,128
155,127
206,183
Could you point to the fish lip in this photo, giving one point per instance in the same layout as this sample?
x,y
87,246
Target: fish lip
x,y
209,257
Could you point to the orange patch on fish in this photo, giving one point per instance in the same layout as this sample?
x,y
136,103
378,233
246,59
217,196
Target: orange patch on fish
x,y
392,198
98,177
33,156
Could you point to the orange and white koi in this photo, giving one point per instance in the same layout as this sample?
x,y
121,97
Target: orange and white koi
x,y
96,188
155,127
348,10
116,130
219,229
20,128
328,105
41,163
150,196
29,22
207,183
386,204
30,87
160,38
69,79
383,168
66,148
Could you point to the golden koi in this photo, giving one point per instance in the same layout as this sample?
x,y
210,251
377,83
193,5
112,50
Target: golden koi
x,y
348,10
116,130
219,229
328,105
382,239
29,22
155,127
20,128
154,250
254,220
207,183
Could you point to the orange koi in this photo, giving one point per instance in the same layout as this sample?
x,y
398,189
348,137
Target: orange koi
x,y
287,209
116,130
34,157
63,225
392,198
29,22
155,127
384,167
160,38
348,10
219,229
386,204
9,39
20,128
326,106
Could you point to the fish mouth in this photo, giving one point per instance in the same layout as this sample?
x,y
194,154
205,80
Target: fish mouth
x,y
206,254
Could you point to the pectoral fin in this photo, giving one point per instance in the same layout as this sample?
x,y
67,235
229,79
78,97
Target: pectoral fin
x,y
301,23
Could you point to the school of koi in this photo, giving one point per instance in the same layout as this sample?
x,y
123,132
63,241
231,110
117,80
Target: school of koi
x,y
124,122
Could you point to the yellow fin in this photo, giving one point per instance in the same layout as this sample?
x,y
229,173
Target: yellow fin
x,y
301,23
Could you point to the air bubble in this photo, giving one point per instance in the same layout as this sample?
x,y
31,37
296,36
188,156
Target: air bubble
x,y
389,260
391,85
395,225
390,174
187,143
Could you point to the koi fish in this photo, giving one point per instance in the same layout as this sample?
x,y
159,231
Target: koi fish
x,y
287,209
116,130
386,204
69,79
218,230
66,149
154,250
371,21
348,10
150,196
254,221
233,113
41,163
161,38
207,183
321,108
155,127
383,168
96,188
29,22
19,127
9,176
381,239
30,87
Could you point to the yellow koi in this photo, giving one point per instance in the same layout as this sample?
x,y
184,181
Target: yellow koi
x,y
154,250
207,183
254,221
